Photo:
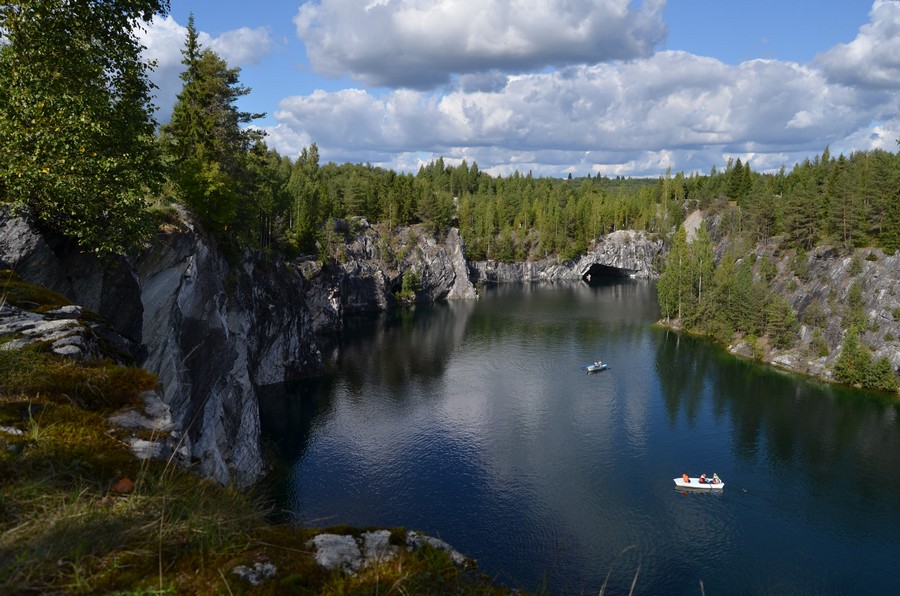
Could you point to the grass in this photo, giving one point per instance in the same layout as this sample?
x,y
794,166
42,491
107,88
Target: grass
x,y
64,530
19,293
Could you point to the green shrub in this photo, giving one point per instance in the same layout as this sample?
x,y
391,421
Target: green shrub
x,y
855,367
854,315
818,346
855,265
767,268
410,285
814,315
799,265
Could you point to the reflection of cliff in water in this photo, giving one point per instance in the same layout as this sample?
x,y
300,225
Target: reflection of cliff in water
x,y
833,438
288,412
392,348
618,307
376,350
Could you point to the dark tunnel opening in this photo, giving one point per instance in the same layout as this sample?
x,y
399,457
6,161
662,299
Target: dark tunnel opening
x,y
597,271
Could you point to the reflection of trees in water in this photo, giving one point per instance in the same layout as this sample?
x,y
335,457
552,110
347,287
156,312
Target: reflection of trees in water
x,y
682,369
545,311
391,349
836,438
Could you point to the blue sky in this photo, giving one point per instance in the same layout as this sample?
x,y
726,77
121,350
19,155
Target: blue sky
x,y
556,86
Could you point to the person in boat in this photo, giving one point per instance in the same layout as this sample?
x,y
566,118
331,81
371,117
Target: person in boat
x,y
685,478
702,478
716,479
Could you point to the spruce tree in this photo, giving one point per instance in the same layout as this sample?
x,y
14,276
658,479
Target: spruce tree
x,y
204,137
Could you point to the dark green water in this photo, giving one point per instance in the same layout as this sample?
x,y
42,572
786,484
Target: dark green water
x,y
474,422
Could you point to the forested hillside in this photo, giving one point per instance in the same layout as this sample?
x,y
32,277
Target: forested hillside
x,y
767,229
82,151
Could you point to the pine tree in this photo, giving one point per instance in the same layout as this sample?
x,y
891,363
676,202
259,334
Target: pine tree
x,y
305,191
702,271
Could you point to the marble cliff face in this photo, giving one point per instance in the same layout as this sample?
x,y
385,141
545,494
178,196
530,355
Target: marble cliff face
x,y
214,330
211,331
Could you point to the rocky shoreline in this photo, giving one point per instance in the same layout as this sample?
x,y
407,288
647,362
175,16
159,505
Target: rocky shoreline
x,y
215,330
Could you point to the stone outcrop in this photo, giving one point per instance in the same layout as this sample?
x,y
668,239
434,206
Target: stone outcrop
x,y
624,252
110,289
350,554
633,254
211,331
369,274
65,329
825,286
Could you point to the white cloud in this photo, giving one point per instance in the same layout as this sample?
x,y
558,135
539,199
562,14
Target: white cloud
x,y
673,109
240,47
873,58
422,43
164,39
628,117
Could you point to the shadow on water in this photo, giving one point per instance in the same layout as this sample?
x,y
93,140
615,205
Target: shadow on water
x,y
289,411
473,421
391,349
835,439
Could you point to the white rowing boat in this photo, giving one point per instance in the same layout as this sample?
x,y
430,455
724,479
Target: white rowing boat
x,y
697,483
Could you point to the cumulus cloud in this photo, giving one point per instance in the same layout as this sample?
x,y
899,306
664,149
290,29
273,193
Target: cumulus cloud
x,y
423,43
240,47
673,109
872,59
164,39
516,96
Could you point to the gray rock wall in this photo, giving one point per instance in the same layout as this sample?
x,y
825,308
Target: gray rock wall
x,y
110,288
371,270
634,253
213,334
827,286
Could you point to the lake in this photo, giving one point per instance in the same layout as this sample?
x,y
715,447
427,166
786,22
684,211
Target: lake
x,y
475,422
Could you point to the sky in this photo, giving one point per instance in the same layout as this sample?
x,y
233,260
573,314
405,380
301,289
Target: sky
x,y
553,87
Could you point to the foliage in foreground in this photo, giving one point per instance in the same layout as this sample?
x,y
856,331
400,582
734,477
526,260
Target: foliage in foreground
x,y
75,118
64,528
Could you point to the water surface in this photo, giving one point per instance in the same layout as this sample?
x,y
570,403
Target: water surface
x,y
474,421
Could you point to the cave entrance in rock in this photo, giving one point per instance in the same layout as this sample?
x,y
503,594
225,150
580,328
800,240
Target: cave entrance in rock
x,y
596,272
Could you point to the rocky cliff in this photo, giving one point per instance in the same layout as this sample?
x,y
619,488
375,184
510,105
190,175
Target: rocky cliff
x,y
111,290
624,252
818,287
211,331
214,333
214,330
368,273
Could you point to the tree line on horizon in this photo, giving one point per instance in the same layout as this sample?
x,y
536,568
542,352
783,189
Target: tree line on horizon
x,y
81,149
77,122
